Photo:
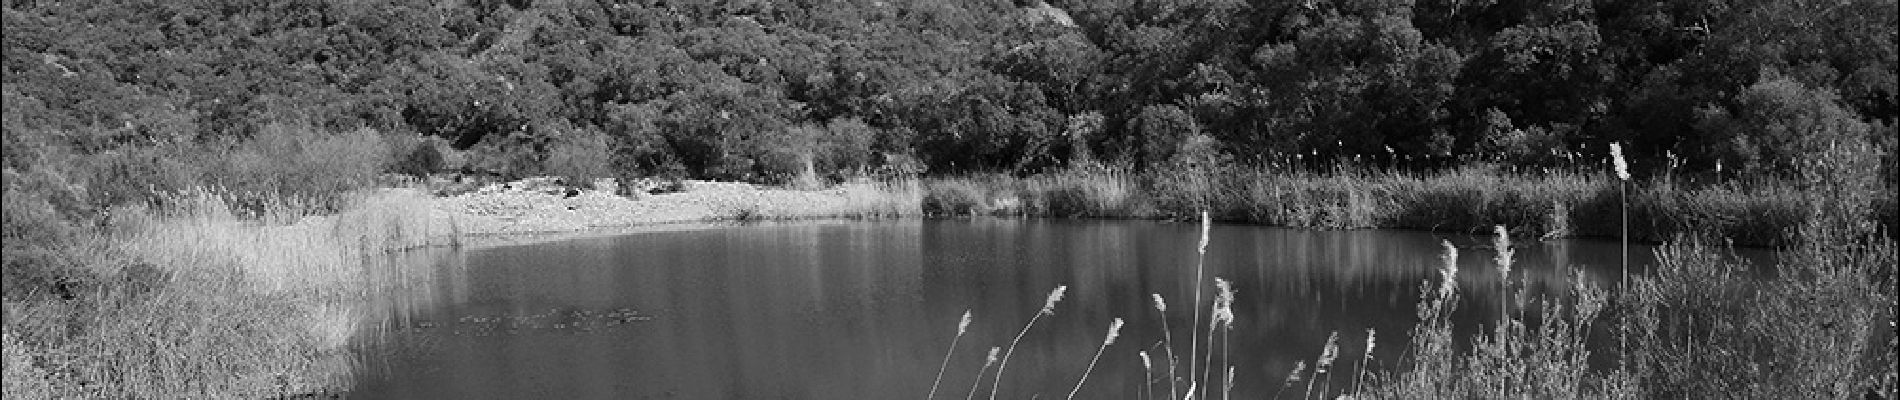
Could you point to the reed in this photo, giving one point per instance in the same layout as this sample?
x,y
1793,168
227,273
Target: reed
x,y
1114,331
962,326
1299,368
1048,308
1227,386
1167,335
1502,242
1223,316
1364,359
1623,260
1325,361
1200,266
987,362
1148,375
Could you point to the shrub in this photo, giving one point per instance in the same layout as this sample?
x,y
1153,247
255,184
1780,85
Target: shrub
x,y
420,157
1702,325
294,162
579,157
1777,124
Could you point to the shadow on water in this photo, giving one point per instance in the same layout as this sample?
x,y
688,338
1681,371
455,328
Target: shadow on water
x,y
867,309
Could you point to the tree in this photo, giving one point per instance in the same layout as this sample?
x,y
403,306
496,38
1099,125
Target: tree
x,y
1775,125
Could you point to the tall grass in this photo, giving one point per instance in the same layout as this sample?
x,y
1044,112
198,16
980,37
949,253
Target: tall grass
x,y
1167,334
1469,199
208,304
1515,359
1082,192
863,200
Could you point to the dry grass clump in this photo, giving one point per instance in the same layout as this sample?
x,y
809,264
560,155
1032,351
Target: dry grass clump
x,y
1082,192
1701,324
889,199
204,303
1548,359
1089,192
863,200
1469,199
955,197
201,335
285,249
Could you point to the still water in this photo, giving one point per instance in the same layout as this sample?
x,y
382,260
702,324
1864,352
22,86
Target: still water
x,y
868,310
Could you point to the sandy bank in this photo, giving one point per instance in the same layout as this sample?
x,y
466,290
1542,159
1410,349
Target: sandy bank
x,y
492,215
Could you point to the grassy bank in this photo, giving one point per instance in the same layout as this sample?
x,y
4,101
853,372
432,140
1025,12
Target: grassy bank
x,y
1469,199
192,301
1697,328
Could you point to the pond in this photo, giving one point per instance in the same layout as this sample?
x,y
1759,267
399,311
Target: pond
x,y
868,310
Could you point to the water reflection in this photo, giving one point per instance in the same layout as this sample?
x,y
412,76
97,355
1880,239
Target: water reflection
x,y
868,309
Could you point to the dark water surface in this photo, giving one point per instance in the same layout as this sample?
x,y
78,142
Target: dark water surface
x,y
867,310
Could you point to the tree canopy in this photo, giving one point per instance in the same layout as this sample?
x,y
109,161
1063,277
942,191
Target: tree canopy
x,y
759,89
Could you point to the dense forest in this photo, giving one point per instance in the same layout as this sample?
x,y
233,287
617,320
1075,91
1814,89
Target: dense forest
x,y
764,90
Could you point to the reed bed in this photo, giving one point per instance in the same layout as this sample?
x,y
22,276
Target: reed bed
x,y
861,200
1469,199
210,304
1697,327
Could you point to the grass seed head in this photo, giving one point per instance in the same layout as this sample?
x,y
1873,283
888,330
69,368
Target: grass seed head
x,y
1049,307
1207,223
1114,331
1224,302
1372,337
1503,243
1616,156
1160,305
1330,353
1449,270
965,325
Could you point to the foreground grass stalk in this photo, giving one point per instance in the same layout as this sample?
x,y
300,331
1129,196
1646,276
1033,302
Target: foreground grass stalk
x,y
1223,317
1114,331
1227,386
961,327
1227,356
1148,375
1503,245
1168,335
1299,367
987,361
1048,308
1325,362
1200,266
1364,359
1622,190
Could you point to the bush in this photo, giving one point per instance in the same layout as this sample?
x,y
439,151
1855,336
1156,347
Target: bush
x,y
294,162
420,158
1777,124
1702,325
579,157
